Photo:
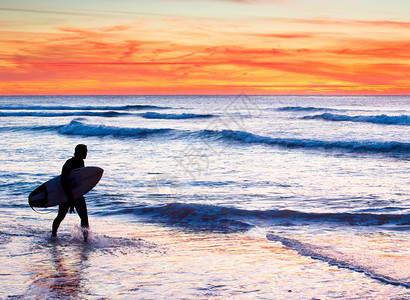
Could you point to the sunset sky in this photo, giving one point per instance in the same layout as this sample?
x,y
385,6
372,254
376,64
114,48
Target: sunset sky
x,y
204,47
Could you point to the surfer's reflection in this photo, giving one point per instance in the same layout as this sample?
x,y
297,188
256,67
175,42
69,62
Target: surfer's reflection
x,y
61,276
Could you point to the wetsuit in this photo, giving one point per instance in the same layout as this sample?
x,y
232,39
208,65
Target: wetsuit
x,y
79,203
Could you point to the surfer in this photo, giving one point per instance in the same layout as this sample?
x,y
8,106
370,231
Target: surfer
x,y
79,204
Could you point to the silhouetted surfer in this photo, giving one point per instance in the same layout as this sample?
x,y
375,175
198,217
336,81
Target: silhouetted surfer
x,y
79,204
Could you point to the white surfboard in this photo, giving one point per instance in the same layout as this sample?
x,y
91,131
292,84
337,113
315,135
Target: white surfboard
x,y
51,193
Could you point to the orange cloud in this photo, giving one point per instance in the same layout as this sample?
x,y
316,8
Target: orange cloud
x,y
284,35
152,59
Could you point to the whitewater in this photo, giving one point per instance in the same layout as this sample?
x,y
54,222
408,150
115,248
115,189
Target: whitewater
x,y
210,197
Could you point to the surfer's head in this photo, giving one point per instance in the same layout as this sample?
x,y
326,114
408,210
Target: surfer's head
x,y
80,151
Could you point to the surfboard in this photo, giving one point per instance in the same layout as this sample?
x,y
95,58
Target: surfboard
x,y
51,193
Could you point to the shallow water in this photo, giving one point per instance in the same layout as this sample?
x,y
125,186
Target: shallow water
x,y
211,197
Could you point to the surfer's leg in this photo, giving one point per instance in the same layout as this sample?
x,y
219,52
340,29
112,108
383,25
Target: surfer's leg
x,y
81,208
62,211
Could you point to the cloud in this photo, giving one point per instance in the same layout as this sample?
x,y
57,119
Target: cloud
x,y
82,13
137,59
116,28
290,35
203,55
349,22
41,11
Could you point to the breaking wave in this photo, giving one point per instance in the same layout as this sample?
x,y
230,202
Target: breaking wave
x,y
78,128
354,146
302,108
154,115
214,218
108,114
378,119
52,107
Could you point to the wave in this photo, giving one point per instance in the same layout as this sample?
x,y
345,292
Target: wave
x,y
154,115
352,146
350,261
378,119
32,128
107,114
52,107
78,128
213,218
302,108
75,127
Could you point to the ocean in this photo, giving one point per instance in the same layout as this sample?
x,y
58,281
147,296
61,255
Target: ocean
x,y
210,197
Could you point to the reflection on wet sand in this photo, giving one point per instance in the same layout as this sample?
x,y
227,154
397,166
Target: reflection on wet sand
x,y
135,260
60,274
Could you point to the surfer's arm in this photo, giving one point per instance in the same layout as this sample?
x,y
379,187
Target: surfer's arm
x,y
66,185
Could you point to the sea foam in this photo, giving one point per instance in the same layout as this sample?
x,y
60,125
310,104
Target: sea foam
x,y
359,262
78,128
